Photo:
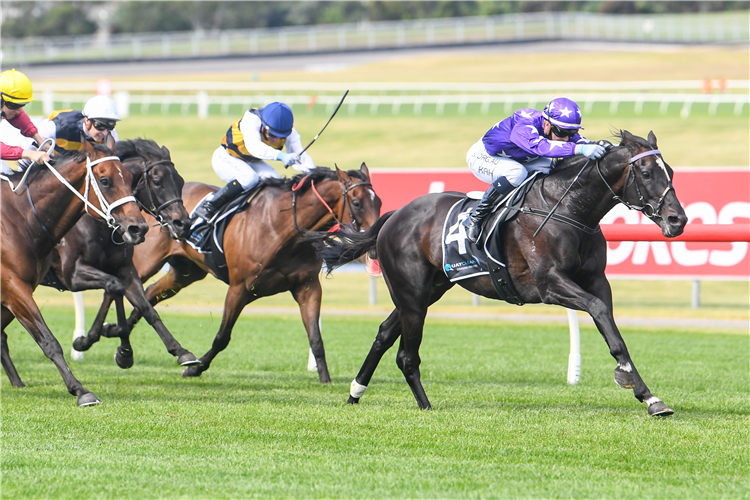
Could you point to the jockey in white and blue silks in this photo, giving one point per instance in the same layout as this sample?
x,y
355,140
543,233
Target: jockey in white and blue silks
x,y
527,141
240,161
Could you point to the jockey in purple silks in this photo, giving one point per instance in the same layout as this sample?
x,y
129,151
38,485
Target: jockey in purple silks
x,y
527,141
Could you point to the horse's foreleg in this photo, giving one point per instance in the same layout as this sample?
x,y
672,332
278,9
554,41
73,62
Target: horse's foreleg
x,y
124,352
137,297
8,366
389,331
598,304
181,274
97,328
308,295
18,299
237,298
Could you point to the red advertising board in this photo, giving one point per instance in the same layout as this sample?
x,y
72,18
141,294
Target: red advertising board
x,y
709,196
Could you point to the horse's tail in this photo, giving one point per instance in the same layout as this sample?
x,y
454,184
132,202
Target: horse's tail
x,y
341,247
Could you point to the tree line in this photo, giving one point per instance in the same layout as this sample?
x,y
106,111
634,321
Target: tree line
x,y
59,18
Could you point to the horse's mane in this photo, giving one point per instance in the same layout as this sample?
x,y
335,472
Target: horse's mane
x,y
316,175
139,147
621,135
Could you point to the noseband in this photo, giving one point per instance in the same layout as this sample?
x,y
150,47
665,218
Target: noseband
x,y
346,202
152,209
646,208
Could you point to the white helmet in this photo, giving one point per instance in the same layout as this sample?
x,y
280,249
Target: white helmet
x,y
101,107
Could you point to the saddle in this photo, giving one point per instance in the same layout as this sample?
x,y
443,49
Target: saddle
x,y
208,237
463,259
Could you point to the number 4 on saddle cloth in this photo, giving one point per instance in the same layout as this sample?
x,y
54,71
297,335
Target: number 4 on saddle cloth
x,y
208,237
463,259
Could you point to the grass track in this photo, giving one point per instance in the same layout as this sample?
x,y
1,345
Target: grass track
x,y
258,425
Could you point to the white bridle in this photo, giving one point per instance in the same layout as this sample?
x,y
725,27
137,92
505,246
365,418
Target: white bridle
x,y
90,182
93,183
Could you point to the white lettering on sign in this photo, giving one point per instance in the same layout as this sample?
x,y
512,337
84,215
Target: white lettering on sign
x,y
665,252
437,187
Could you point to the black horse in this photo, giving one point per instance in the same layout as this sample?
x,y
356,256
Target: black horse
x,y
93,258
563,265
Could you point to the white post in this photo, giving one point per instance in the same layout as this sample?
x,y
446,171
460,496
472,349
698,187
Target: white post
x,y
122,101
202,105
80,328
574,360
373,290
48,102
696,294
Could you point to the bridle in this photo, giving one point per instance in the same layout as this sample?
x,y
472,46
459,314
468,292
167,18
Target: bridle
x,y
631,178
152,209
346,203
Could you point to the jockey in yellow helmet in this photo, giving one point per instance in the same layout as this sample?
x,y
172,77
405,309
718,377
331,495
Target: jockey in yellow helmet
x,y
16,93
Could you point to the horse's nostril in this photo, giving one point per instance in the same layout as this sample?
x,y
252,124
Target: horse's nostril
x,y
137,229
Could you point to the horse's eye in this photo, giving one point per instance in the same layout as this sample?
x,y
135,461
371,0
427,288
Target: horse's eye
x,y
357,204
646,174
104,181
157,182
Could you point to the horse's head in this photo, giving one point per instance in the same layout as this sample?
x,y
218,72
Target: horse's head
x,y
157,184
361,205
111,191
647,184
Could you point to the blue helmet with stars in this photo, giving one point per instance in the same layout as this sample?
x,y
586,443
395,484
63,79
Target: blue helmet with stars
x,y
277,117
563,113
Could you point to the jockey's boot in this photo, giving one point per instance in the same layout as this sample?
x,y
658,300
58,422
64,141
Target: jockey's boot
x,y
473,223
209,207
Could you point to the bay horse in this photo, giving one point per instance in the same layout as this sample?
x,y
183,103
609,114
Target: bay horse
x,y
92,258
264,251
563,265
57,196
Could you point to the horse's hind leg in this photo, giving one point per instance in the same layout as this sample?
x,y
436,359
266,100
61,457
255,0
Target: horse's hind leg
x,y
8,366
308,296
389,331
236,299
135,294
97,328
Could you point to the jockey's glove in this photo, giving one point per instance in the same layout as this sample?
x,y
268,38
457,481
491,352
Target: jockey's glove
x,y
288,158
592,151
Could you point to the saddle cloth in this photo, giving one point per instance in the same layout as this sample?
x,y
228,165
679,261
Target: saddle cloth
x,y
208,237
463,259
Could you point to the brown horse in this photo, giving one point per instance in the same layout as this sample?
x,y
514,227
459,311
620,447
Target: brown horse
x,y
263,250
563,264
33,224
92,258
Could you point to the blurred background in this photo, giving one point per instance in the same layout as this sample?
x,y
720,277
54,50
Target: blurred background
x,y
426,81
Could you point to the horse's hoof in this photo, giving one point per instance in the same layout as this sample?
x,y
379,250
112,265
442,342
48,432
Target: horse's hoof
x,y
79,344
353,400
659,409
624,379
88,399
188,359
192,371
18,384
124,358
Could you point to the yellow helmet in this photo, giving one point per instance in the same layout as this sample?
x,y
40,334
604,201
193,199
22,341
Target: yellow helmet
x,y
15,87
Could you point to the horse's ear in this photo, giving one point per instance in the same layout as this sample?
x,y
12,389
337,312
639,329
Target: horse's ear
x,y
363,168
165,151
87,146
343,177
110,142
626,136
652,139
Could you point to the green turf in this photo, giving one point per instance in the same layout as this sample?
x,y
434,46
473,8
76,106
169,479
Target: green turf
x,y
257,424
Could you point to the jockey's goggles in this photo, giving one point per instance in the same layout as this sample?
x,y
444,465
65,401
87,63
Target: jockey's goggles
x,y
104,124
563,132
14,105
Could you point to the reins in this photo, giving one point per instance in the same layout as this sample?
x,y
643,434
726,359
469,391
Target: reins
x,y
152,209
346,202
